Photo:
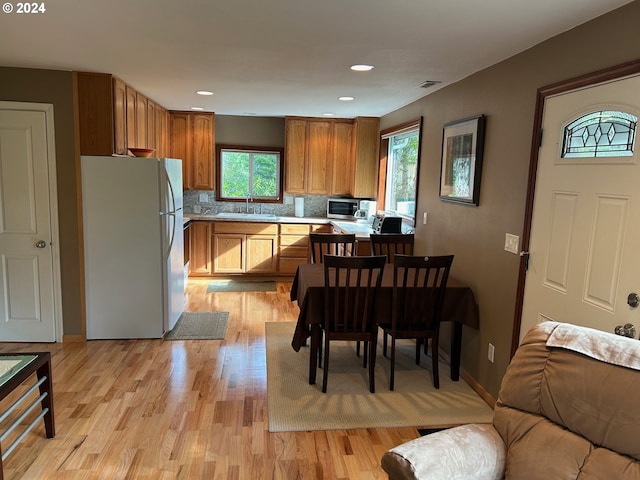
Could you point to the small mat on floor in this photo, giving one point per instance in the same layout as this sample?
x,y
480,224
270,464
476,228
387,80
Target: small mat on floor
x,y
294,405
235,286
200,326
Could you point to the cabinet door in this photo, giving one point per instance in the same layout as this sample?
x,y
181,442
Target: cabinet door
x,y
262,253
120,117
295,155
159,130
181,146
151,127
202,151
132,125
366,156
318,157
229,251
200,248
342,159
141,121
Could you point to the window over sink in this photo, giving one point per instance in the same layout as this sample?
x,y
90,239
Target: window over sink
x,y
249,173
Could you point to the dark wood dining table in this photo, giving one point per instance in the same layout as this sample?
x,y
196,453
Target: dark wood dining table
x,y
308,289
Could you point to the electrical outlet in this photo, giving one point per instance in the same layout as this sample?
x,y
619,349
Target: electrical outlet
x,y
203,198
288,200
512,243
491,351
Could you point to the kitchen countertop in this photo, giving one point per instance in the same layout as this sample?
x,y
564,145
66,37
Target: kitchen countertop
x,y
361,230
264,218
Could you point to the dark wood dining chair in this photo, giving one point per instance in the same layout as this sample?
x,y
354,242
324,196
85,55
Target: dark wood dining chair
x,y
343,244
419,285
392,244
351,286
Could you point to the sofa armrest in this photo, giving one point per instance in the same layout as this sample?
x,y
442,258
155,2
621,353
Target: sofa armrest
x,y
474,451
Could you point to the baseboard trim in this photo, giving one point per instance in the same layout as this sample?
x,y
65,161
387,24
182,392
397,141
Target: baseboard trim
x,y
73,338
472,382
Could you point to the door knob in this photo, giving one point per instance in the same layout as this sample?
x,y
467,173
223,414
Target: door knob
x,y
41,244
633,300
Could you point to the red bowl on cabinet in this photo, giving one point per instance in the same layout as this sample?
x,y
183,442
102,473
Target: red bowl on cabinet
x,y
142,152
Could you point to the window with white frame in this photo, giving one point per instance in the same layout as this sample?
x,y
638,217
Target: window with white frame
x,y
244,172
401,166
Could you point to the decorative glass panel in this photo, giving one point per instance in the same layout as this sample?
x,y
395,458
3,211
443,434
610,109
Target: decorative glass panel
x,y
600,134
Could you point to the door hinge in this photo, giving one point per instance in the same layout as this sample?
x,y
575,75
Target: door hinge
x,y
540,138
525,255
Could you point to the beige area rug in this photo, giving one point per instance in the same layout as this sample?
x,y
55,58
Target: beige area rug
x,y
294,405
200,326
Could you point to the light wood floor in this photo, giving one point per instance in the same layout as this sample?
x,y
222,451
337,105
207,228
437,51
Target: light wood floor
x,y
153,409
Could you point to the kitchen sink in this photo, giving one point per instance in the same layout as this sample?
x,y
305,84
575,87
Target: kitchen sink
x,y
246,216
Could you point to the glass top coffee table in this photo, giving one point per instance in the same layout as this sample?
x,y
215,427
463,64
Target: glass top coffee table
x,y
15,369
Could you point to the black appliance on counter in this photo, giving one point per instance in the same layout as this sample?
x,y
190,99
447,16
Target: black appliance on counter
x,y
383,224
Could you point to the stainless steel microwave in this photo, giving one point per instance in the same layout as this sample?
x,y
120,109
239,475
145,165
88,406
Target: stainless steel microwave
x,y
342,208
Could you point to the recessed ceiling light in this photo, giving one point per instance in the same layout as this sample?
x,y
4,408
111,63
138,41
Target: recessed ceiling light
x,y
204,92
197,108
328,114
346,99
361,68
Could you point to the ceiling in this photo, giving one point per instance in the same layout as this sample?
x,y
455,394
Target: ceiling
x,y
285,57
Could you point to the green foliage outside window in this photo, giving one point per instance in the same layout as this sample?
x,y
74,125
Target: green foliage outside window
x,y
249,174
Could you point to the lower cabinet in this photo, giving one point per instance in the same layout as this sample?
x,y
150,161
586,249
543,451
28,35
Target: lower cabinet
x,y
244,247
294,247
224,248
200,248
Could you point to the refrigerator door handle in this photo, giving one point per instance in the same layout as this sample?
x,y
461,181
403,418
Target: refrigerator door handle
x,y
170,206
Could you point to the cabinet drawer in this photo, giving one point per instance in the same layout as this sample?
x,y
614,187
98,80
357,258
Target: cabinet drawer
x,y
247,228
298,240
294,229
322,228
293,251
290,265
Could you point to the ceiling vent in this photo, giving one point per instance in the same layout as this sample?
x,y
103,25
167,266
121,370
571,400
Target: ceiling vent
x,y
429,83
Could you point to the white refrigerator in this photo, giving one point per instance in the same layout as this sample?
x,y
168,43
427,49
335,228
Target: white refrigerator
x,y
133,246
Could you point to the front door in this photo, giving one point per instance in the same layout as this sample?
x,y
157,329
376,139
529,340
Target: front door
x,y
27,300
583,247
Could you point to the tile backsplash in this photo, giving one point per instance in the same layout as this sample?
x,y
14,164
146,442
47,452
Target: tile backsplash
x,y
205,202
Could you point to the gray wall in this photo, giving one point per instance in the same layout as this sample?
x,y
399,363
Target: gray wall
x,y
506,93
55,87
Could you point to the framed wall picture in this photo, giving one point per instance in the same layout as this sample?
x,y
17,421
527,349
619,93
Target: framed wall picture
x,y
462,145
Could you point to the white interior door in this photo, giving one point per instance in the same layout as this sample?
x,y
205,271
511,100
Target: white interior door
x,y
584,234
29,305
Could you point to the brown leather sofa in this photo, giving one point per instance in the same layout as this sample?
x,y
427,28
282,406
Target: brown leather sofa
x,y
568,408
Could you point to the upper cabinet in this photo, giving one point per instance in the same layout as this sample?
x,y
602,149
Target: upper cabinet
x,y
331,156
192,140
366,146
113,117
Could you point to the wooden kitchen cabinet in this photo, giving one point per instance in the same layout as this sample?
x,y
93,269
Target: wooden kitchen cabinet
x,y
366,158
200,263
319,163
323,157
342,156
112,116
294,247
245,247
192,140
295,155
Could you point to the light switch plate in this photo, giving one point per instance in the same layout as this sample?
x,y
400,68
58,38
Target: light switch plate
x,y
203,198
288,200
512,243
